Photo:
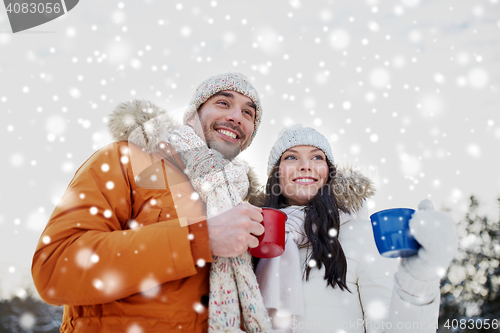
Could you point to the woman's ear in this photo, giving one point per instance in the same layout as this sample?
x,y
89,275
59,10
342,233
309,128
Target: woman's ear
x,y
277,170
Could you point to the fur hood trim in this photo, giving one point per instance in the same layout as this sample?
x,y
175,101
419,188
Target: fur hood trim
x,y
142,123
146,125
351,188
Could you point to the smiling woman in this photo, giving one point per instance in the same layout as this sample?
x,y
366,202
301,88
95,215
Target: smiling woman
x,y
303,171
330,276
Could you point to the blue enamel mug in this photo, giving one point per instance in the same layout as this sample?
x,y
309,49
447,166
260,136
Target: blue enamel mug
x,y
392,233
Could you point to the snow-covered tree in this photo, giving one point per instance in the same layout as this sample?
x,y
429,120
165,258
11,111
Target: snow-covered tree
x,y
471,290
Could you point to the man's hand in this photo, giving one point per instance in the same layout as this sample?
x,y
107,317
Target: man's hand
x,y
233,232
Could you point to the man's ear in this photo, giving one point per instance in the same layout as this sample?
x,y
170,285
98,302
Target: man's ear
x,y
192,120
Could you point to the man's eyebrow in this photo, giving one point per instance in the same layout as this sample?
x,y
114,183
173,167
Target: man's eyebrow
x,y
252,105
230,95
224,93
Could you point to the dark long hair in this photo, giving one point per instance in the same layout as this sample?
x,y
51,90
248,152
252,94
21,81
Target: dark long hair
x,y
321,216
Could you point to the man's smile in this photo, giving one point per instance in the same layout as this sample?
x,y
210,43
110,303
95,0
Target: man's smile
x,y
227,134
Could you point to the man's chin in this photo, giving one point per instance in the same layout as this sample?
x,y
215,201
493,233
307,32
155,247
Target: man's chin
x,y
227,149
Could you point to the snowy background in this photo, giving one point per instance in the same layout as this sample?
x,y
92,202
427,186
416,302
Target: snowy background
x,y
407,90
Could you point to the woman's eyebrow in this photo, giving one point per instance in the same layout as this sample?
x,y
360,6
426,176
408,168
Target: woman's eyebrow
x,y
296,152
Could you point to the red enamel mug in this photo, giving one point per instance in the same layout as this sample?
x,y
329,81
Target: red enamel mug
x,y
272,241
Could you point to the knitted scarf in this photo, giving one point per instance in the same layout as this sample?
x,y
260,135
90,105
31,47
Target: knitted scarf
x,y
222,184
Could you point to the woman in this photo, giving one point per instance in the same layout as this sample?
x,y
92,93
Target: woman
x,y
331,277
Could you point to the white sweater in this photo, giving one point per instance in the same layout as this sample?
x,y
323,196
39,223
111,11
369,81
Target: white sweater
x,y
373,300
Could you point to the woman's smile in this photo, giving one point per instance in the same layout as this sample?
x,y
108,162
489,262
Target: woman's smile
x,y
305,180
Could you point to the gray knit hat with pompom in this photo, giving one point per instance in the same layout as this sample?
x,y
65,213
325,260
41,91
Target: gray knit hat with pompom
x,y
298,136
228,81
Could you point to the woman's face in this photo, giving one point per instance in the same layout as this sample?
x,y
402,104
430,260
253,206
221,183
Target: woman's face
x,y
303,171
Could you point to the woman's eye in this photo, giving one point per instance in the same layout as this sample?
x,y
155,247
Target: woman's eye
x,y
291,157
318,157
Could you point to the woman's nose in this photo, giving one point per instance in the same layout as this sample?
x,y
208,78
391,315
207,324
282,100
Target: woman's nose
x,y
305,165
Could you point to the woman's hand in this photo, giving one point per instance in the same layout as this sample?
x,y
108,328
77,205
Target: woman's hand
x,y
435,231
418,276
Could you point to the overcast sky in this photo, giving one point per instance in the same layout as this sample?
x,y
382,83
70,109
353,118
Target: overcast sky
x,y
406,90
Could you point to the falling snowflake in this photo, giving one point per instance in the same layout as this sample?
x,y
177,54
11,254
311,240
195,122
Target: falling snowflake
x,y
85,258
185,31
473,150
27,321
339,39
198,307
379,78
36,221
17,160
410,164
135,328
149,287
268,40
75,93
478,78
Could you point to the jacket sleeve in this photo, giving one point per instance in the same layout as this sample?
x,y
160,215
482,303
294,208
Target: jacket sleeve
x,y
92,252
383,308
413,318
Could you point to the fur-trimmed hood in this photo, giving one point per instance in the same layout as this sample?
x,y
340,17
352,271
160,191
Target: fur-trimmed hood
x,y
146,125
142,123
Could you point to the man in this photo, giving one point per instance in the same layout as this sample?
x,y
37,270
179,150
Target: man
x,y
127,247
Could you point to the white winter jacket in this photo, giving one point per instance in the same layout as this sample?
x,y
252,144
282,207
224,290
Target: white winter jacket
x,y
373,303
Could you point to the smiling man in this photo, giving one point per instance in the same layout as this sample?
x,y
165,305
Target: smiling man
x,y
226,121
128,248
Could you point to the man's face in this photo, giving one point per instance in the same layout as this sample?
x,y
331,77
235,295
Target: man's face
x,y
226,122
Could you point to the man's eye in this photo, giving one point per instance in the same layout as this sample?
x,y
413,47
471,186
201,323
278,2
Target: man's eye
x,y
223,102
249,113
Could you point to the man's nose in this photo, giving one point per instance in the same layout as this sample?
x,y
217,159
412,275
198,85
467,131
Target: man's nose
x,y
234,116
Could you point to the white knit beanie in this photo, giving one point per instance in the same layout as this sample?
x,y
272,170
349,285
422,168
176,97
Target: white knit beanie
x,y
228,81
298,136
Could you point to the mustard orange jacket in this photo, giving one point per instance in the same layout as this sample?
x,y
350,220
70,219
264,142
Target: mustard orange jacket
x,y
126,249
